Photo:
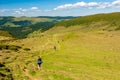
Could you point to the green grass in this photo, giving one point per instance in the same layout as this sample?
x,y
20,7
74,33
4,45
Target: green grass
x,y
5,33
82,53
5,73
32,19
10,24
108,22
79,56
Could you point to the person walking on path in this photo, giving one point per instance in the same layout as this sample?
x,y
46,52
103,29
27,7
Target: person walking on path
x,y
39,62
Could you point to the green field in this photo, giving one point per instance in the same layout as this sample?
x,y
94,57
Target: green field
x,y
81,54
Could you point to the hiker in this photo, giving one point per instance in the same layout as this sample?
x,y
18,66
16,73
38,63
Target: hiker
x,y
39,62
55,48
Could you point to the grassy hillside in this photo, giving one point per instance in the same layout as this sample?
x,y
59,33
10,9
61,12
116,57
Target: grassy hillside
x,y
78,56
5,73
83,52
108,22
34,19
5,33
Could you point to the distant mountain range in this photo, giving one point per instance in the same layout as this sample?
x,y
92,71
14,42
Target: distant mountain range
x,y
21,26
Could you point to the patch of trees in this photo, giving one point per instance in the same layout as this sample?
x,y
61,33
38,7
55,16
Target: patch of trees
x,y
57,17
23,23
5,19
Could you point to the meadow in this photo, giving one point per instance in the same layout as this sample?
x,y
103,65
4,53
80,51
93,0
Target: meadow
x,y
82,53
88,56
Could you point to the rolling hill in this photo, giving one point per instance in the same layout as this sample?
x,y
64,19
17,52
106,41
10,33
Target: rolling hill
x,y
87,48
4,35
105,22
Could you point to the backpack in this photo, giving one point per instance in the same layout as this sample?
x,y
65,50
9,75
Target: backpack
x,y
39,61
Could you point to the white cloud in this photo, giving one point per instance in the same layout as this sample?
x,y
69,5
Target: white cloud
x,y
66,6
117,2
89,5
80,4
18,12
92,4
104,5
3,10
22,11
34,8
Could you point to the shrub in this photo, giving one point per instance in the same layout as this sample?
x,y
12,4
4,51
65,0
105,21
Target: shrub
x,y
2,47
10,47
26,49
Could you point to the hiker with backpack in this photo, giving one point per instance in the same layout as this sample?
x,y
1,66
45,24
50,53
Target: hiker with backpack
x,y
39,62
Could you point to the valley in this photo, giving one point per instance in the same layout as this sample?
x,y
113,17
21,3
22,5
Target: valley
x,y
87,48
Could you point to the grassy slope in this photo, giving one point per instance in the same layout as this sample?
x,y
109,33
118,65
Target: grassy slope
x,y
79,56
109,22
32,19
5,72
4,35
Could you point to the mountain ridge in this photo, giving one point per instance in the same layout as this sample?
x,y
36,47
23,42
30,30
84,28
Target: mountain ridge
x,y
112,18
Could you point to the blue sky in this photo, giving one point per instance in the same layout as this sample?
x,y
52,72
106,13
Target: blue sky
x,y
57,7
